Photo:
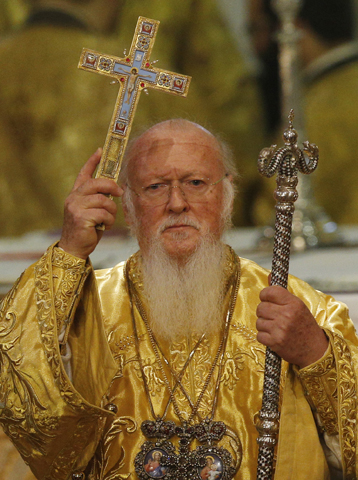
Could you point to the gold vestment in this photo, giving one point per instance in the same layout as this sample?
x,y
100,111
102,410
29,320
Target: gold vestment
x,y
331,117
61,427
53,117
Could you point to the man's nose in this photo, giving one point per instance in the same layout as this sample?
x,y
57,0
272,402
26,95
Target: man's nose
x,y
177,202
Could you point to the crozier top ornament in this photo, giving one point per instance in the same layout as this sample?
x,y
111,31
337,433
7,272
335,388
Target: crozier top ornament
x,y
290,159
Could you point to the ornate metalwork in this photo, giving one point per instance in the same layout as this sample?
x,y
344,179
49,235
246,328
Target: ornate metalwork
x,y
311,225
134,73
287,162
159,459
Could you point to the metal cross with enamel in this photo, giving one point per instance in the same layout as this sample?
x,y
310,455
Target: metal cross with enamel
x,y
134,73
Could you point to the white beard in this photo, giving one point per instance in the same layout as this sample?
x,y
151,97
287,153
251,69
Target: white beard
x,y
185,298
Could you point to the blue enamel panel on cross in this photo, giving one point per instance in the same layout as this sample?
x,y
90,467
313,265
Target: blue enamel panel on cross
x,y
135,73
143,74
122,69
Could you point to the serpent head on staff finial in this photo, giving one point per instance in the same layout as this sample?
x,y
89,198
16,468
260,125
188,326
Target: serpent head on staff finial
x,y
289,159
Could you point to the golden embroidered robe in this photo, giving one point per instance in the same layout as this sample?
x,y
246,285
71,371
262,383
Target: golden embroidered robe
x,y
92,423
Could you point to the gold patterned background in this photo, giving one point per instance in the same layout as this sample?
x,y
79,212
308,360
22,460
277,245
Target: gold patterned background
x,y
54,116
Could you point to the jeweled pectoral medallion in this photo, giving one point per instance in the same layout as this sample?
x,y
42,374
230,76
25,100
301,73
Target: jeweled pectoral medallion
x,y
161,459
148,462
215,463
204,463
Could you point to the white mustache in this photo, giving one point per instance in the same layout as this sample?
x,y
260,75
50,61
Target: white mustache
x,y
176,221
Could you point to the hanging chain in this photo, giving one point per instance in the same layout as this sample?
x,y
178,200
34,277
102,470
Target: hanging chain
x,y
220,353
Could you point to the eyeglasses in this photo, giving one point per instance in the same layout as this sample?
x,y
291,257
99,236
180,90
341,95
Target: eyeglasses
x,y
193,190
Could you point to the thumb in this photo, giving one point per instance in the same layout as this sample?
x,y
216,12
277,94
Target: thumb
x,y
100,233
88,168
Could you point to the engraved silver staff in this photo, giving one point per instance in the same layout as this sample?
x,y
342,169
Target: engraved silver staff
x,y
286,161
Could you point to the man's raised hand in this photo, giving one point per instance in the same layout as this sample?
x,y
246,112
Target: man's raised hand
x,y
87,206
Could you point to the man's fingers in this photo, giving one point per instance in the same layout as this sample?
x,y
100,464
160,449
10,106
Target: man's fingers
x,y
105,186
96,216
88,168
267,310
275,294
100,201
81,208
264,338
271,334
264,325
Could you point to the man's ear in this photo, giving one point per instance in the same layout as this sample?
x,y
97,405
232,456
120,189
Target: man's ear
x,y
231,178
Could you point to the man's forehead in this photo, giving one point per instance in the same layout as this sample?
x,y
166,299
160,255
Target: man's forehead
x,y
165,138
154,145
171,146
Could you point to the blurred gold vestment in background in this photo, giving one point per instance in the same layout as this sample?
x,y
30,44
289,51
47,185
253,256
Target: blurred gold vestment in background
x,y
53,117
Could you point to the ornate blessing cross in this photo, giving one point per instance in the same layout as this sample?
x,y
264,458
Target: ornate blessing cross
x,y
134,73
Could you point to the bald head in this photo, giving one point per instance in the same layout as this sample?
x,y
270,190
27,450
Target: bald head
x,y
165,134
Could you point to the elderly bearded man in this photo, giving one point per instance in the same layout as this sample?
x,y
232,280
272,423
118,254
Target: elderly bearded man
x,y
164,354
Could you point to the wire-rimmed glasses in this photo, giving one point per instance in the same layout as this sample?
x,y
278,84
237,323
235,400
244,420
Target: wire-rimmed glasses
x,y
193,190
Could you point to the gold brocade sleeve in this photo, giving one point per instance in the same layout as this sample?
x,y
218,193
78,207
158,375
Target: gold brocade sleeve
x,y
319,382
331,387
343,340
346,359
69,274
55,428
